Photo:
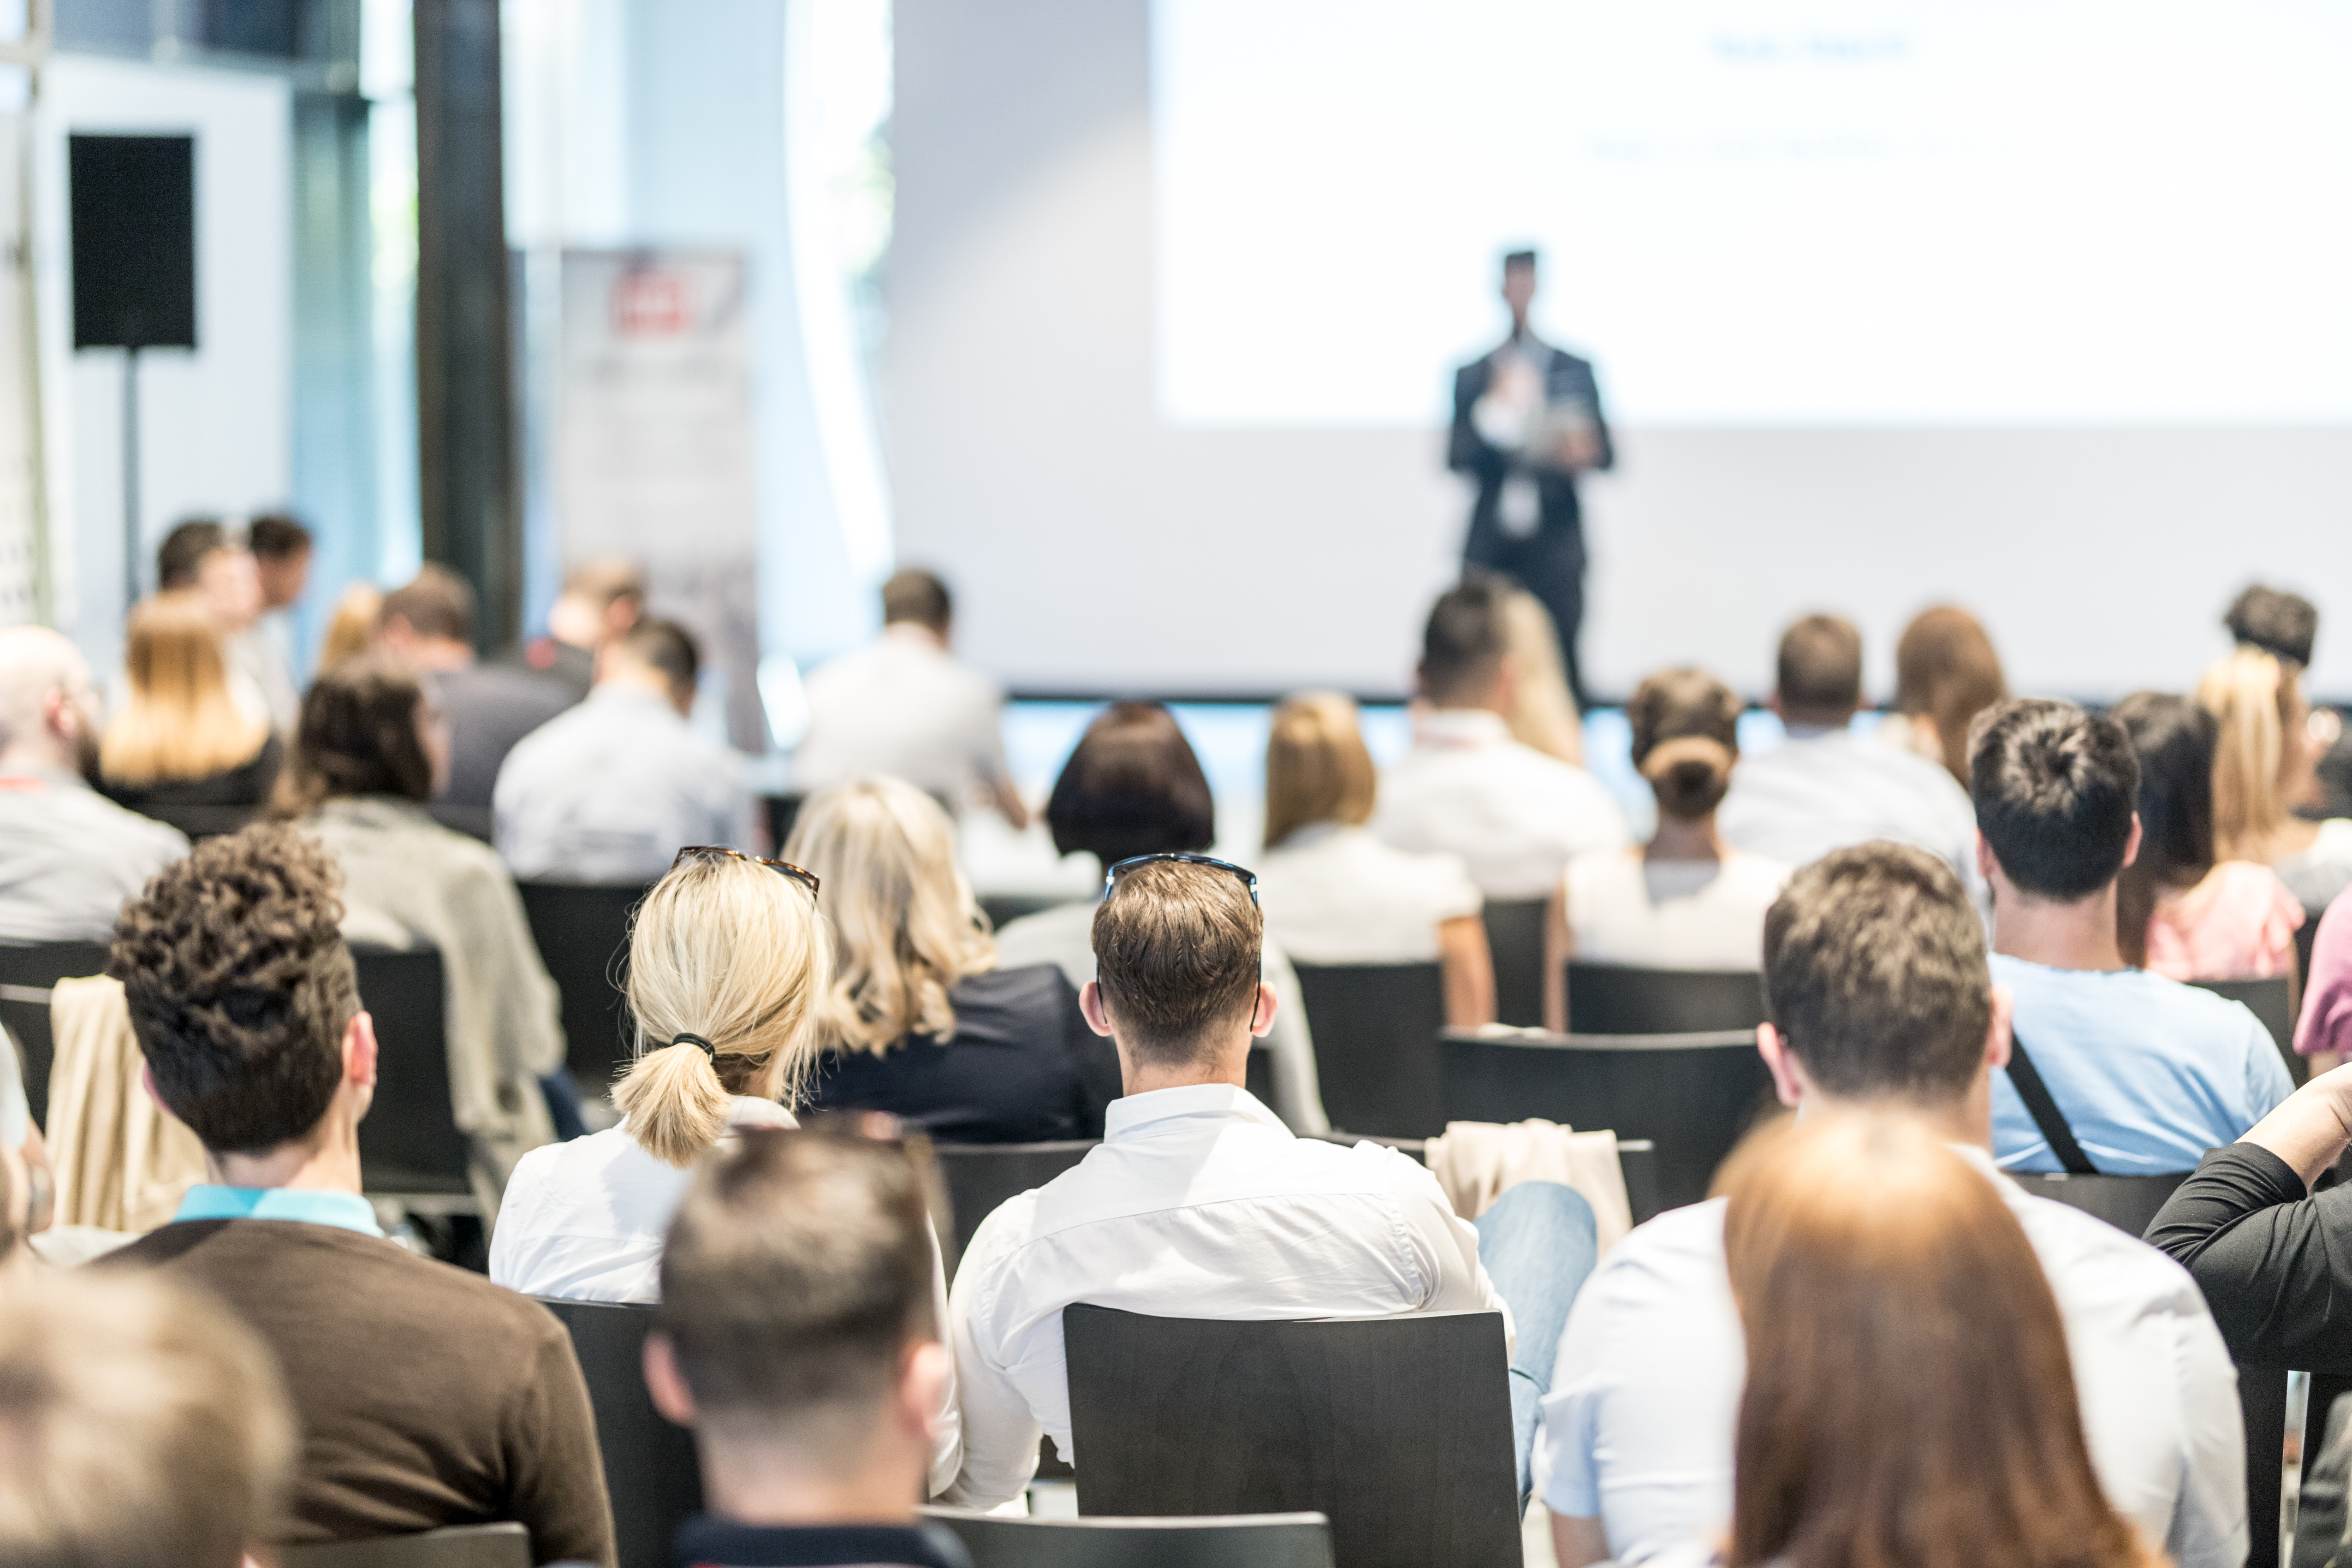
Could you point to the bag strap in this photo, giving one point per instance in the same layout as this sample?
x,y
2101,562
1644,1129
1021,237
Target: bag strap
x,y
2027,1080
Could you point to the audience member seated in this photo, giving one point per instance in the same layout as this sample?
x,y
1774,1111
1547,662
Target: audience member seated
x,y
1133,786
2323,1034
2263,761
1875,978
921,1020
1513,816
1908,1395
602,597
1543,710
364,762
1335,894
202,556
1946,673
425,1396
429,626
2179,912
1685,899
351,627
798,1337
281,559
180,750
2285,626
906,708
2144,1073
607,790
1825,788
1200,1204
145,1424
67,856
726,957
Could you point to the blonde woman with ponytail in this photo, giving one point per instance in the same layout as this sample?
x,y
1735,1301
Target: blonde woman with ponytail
x,y
728,958
2265,761
1685,899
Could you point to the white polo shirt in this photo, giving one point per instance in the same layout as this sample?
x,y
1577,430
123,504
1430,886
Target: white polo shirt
x,y
1513,816
1198,1204
903,708
1335,894
1637,1429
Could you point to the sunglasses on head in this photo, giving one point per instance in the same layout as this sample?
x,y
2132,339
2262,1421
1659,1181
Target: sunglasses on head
x,y
1111,877
721,851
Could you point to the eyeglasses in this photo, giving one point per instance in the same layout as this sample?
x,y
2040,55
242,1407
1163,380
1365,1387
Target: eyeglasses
x,y
715,851
1111,877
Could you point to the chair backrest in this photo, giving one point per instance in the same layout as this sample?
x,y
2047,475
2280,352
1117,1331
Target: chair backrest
x,y
2271,1000
1376,1027
980,1176
1694,1095
650,1469
583,933
1396,1429
27,973
409,1141
2127,1203
1618,999
1515,937
506,1545
1246,1541
1003,908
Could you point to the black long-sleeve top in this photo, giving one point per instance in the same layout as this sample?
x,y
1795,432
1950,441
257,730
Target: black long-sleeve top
x,y
2275,1262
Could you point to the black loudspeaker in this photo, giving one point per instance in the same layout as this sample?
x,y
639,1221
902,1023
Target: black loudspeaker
x,y
135,241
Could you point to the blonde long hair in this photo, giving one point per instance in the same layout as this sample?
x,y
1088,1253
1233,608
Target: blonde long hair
x,y
1543,710
180,722
1316,766
2253,696
735,952
905,922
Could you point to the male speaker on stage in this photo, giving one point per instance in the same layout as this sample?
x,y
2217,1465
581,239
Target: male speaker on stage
x,y
1527,421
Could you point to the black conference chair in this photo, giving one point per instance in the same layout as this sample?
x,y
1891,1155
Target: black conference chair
x,y
650,1469
1376,1027
980,1176
504,1545
2127,1203
1617,999
2272,1001
27,973
410,1147
1396,1429
1694,1095
1249,1540
582,933
1003,908
1515,937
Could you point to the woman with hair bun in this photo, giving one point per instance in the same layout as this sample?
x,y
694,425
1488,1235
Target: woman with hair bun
x,y
1685,899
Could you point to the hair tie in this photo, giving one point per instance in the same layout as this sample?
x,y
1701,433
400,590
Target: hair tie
x,y
707,1049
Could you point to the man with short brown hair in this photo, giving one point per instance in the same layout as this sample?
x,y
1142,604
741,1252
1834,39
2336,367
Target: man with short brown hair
x,y
1200,1204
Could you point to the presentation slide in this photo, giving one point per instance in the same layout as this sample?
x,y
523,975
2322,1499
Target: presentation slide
x,y
1760,213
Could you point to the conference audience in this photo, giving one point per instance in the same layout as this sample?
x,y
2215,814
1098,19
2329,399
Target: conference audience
x,y
180,750
798,1337
2128,1072
2179,910
1133,786
425,1396
428,624
202,556
1543,710
1335,894
1513,816
67,856
1946,673
1825,788
2264,759
364,762
1200,1204
920,1019
1875,978
904,707
281,558
351,627
145,1426
1908,1395
602,597
1685,899
607,790
2323,1034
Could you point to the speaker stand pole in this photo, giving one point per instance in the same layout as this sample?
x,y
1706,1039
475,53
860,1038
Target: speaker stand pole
x,y
131,546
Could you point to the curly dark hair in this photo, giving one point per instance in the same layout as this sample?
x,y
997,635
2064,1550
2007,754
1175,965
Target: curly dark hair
x,y
357,735
240,987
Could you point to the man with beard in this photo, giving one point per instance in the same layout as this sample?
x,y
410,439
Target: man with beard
x,y
67,856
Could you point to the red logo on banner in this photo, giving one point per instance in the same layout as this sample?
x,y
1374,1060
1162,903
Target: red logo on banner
x,y
649,304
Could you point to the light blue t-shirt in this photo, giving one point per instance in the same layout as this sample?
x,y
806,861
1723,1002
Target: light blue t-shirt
x,y
2147,1072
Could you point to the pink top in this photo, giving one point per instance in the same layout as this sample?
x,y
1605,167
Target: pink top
x,y
2327,999
2238,923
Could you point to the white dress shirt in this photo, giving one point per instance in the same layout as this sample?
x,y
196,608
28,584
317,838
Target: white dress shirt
x,y
1065,937
1198,1204
607,790
903,708
1637,1429
1671,914
1824,789
1513,816
1335,894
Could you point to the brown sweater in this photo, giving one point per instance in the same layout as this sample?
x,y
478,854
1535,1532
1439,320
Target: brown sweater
x,y
427,1395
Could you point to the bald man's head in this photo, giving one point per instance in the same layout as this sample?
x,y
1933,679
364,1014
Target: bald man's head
x,y
48,718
